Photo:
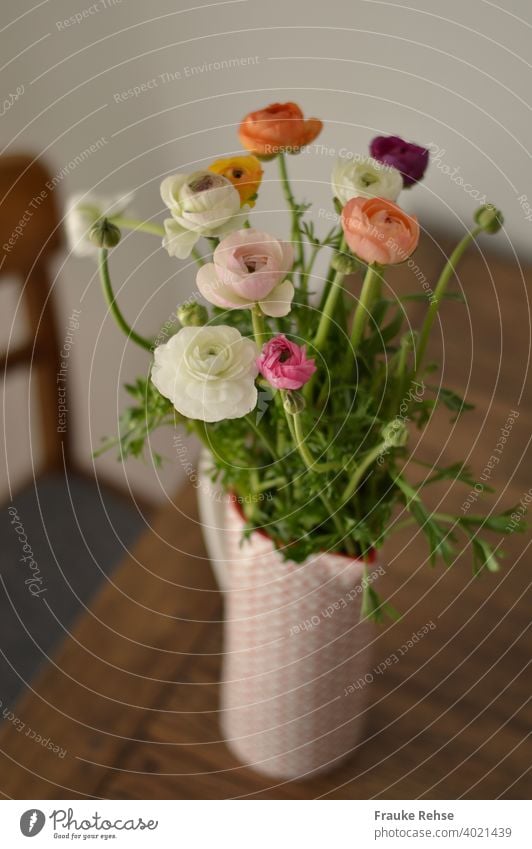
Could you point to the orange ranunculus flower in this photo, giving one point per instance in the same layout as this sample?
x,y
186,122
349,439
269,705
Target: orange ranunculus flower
x,y
244,172
279,128
377,230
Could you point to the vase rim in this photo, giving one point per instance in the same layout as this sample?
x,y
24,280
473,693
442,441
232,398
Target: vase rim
x,y
371,557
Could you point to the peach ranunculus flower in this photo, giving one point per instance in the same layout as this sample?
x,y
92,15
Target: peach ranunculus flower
x,y
278,128
377,230
244,172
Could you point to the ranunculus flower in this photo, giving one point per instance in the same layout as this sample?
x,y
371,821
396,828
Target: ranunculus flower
x,y
82,213
365,178
284,364
277,128
249,267
410,159
201,204
377,230
244,172
208,373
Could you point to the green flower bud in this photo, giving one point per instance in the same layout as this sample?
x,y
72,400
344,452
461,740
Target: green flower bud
x,y
192,315
105,234
395,433
344,263
489,218
293,402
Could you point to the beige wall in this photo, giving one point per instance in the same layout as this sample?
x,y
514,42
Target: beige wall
x,y
454,75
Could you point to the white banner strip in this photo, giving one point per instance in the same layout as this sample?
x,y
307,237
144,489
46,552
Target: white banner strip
x,y
257,824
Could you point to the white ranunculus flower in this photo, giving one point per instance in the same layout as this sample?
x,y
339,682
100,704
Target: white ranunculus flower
x,y
207,373
201,204
83,211
365,178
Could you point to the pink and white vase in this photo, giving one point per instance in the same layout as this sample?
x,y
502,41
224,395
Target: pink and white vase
x,y
293,699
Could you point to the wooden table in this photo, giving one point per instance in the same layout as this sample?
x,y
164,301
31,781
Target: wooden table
x,y
131,694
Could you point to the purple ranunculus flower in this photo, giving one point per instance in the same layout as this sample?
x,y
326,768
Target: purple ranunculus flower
x,y
410,159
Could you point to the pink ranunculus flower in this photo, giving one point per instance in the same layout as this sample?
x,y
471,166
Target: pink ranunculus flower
x,y
377,230
284,364
249,267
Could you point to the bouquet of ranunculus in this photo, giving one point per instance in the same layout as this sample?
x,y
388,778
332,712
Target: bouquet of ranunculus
x,y
300,390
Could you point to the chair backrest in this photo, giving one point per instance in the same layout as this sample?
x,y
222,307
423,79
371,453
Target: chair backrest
x,y
29,234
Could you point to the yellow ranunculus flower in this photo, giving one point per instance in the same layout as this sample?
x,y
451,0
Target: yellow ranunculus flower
x,y
245,173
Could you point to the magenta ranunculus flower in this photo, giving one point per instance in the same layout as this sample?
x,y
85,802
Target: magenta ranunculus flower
x,y
284,364
410,159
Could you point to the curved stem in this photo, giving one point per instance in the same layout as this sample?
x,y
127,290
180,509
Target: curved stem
x,y
296,233
137,224
262,436
113,306
296,429
358,473
370,288
448,271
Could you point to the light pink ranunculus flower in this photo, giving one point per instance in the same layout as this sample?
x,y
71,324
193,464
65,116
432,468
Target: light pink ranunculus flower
x,y
284,364
249,267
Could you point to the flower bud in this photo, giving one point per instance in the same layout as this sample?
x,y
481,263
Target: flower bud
x,y
192,315
293,402
105,234
344,263
395,433
489,218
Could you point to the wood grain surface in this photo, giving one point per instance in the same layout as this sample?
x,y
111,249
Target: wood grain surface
x,y
132,693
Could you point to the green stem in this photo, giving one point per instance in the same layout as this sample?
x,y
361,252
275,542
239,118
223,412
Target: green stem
x,y
448,271
296,232
296,429
328,310
148,227
400,378
259,328
358,473
262,436
274,483
113,306
137,224
370,289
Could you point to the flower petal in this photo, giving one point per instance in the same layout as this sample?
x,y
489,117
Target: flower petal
x,y
178,240
279,301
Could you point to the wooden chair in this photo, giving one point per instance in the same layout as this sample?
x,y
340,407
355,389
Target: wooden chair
x,y
75,528
29,236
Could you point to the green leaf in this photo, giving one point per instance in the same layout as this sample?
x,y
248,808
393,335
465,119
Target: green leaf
x,y
451,400
373,607
498,523
440,539
484,556
456,471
